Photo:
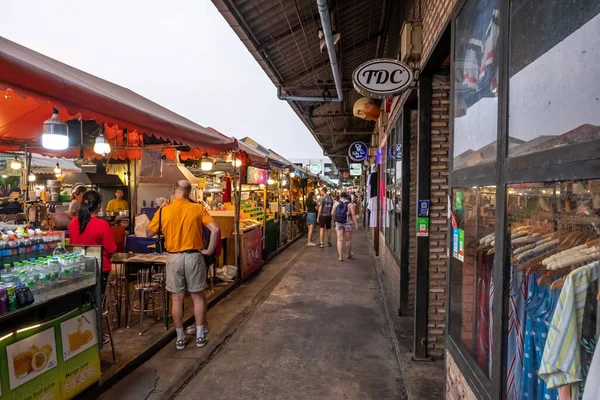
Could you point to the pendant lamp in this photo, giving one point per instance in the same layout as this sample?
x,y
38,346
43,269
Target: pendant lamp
x,y
55,133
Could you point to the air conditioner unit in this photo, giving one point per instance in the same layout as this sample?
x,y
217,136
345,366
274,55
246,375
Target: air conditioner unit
x,y
411,41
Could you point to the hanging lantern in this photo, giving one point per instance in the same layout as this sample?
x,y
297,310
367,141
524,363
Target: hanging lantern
x,y
55,134
101,145
31,177
206,164
57,170
15,164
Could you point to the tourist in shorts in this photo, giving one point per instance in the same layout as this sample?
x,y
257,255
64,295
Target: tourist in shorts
x,y
311,217
345,223
181,224
324,217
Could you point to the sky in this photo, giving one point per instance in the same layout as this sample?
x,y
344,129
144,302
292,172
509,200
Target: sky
x,y
181,54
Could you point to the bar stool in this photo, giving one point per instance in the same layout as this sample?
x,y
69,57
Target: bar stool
x,y
106,313
147,292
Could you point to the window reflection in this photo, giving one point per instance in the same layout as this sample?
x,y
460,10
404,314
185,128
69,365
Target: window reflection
x,y
476,86
554,74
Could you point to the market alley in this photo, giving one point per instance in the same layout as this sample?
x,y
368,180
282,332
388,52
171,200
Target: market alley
x,y
319,332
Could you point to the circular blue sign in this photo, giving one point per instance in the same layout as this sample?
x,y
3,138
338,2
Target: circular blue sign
x,y
358,151
395,151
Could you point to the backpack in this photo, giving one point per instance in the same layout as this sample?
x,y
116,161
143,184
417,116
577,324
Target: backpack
x,y
341,212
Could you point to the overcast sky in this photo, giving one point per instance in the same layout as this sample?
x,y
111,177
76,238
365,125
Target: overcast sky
x,y
179,53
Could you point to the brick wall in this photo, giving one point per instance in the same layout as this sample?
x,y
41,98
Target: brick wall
x,y
434,14
456,387
412,227
438,226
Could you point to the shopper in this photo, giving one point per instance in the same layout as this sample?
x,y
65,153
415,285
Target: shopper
x,y
345,223
324,217
86,229
311,217
181,224
76,198
118,203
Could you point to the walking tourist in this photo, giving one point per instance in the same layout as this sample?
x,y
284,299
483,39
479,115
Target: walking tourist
x,y
311,217
181,225
324,217
345,223
86,229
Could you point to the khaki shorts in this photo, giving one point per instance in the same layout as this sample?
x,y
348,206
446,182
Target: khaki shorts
x,y
186,271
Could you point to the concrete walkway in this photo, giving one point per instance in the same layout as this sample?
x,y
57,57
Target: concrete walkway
x,y
307,327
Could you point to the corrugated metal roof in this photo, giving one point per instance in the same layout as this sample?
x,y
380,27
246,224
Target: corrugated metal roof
x,y
282,35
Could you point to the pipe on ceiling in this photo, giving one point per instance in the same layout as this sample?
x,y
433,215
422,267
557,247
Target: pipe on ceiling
x,y
326,24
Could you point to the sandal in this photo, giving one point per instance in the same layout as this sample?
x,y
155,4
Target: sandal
x,y
350,256
340,259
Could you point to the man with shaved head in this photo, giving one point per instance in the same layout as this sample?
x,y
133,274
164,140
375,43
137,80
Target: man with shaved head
x,y
181,224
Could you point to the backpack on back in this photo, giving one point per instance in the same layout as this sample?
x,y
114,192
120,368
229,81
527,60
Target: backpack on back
x,y
341,212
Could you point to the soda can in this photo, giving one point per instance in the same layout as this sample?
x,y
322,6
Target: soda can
x,y
3,300
12,297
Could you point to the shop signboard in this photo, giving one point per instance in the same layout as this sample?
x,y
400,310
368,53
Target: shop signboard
x,y
257,176
315,168
58,359
382,78
358,151
395,151
251,251
355,169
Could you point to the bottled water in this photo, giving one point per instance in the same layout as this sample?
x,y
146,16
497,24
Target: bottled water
x,y
59,250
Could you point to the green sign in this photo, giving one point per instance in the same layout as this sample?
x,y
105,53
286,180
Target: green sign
x,y
423,226
459,201
54,360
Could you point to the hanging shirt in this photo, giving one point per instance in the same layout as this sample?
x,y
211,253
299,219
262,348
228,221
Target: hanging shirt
x,y
561,361
592,386
385,217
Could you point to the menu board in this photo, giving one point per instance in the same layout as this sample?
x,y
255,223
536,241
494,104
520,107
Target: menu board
x,y
251,251
57,359
257,176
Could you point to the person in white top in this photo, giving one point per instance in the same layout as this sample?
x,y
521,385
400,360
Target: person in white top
x,y
344,215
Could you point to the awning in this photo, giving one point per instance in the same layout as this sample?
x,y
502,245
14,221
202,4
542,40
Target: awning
x,y
45,83
274,160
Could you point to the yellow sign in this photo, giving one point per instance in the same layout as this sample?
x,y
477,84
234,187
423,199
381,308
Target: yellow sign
x,y
201,183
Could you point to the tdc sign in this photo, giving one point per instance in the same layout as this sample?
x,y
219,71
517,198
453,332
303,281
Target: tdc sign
x,y
382,78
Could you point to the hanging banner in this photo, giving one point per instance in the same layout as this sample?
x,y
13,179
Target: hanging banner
x,y
382,78
257,176
358,151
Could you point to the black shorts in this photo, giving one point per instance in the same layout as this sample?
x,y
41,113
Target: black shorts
x,y
325,221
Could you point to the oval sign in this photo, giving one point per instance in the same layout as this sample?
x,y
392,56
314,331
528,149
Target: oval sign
x,y
315,168
358,151
382,78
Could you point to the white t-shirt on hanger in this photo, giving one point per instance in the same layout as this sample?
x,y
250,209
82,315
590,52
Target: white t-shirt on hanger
x,y
385,217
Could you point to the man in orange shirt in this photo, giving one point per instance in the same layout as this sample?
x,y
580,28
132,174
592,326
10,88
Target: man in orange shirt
x,y
181,225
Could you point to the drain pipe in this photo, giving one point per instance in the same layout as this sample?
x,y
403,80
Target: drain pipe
x,y
326,24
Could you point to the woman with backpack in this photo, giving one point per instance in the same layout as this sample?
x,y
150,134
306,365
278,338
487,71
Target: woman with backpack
x,y
344,216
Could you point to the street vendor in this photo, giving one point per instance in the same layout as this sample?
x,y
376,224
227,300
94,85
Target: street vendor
x,y
76,197
118,203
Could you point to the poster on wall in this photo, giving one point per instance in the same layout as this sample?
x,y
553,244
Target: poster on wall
x,y
78,334
257,176
251,251
31,357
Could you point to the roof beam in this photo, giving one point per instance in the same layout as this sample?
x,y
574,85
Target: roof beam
x,y
325,62
342,133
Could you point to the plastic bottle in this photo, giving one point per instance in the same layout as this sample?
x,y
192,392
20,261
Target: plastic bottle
x,y
20,247
28,246
59,250
43,271
12,245
54,270
3,244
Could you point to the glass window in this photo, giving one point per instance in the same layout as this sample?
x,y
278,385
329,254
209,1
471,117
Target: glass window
x,y
390,188
554,245
476,84
554,74
471,270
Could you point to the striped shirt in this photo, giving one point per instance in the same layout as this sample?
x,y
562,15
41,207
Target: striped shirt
x,y
561,360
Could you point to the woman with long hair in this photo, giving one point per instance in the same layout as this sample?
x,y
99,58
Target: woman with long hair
x,y
76,198
311,217
88,230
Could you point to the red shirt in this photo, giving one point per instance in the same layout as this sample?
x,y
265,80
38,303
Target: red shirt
x,y
96,233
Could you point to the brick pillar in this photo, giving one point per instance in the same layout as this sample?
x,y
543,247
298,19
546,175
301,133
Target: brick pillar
x,y
412,220
438,230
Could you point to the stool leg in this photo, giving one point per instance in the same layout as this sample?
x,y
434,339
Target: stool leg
x,y
110,337
143,295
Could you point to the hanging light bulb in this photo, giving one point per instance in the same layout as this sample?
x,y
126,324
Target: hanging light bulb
x,y
15,164
292,174
57,170
284,182
262,186
55,133
238,162
101,145
206,164
270,181
31,177
4,176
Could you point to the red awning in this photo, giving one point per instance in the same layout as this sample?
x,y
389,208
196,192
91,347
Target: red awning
x,y
31,74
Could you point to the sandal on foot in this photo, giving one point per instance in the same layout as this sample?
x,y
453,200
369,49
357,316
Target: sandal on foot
x,y
350,256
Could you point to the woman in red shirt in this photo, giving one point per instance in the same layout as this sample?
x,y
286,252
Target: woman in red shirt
x,y
88,230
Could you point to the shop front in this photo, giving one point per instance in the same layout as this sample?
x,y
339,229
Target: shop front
x,y
525,201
